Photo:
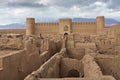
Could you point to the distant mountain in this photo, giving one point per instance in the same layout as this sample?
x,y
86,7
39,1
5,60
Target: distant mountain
x,y
83,20
13,26
46,20
108,21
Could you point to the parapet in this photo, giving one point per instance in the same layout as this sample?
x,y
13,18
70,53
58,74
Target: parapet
x,y
100,19
100,16
30,19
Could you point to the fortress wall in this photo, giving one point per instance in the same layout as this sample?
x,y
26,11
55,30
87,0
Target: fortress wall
x,y
84,27
115,31
109,30
46,28
116,28
13,31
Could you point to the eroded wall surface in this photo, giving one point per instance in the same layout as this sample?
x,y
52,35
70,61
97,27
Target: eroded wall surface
x,y
17,64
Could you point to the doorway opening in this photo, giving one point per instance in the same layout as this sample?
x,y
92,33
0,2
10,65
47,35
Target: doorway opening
x,y
73,73
65,35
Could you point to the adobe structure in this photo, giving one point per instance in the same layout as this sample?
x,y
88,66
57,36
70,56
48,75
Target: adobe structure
x,y
65,25
64,50
87,48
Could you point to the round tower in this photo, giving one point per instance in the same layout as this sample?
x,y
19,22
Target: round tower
x,y
100,24
30,24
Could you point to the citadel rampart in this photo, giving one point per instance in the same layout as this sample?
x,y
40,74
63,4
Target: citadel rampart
x,y
65,25
13,31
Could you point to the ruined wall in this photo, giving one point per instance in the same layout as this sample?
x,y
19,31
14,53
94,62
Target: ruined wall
x,y
68,64
10,66
18,64
72,44
85,45
91,68
50,69
109,64
105,44
11,42
76,53
61,79
112,31
84,28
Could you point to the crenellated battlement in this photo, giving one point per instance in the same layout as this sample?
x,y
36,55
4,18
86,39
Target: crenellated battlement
x,y
47,24
65,25
83,23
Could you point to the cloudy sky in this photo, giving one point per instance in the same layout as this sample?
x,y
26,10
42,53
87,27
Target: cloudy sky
x,y
16,11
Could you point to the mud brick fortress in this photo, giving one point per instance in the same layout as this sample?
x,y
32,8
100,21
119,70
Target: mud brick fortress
x,y
63,50
65,25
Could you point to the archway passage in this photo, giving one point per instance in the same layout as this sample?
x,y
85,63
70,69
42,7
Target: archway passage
x,y
65,35
73,73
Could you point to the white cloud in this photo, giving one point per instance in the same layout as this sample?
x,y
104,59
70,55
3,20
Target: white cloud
x,y
13,11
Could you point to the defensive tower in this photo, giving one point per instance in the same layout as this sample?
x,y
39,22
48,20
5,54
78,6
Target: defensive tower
x,y
100,24
30,25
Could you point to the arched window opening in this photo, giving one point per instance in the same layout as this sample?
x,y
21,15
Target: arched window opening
x,y
66,28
